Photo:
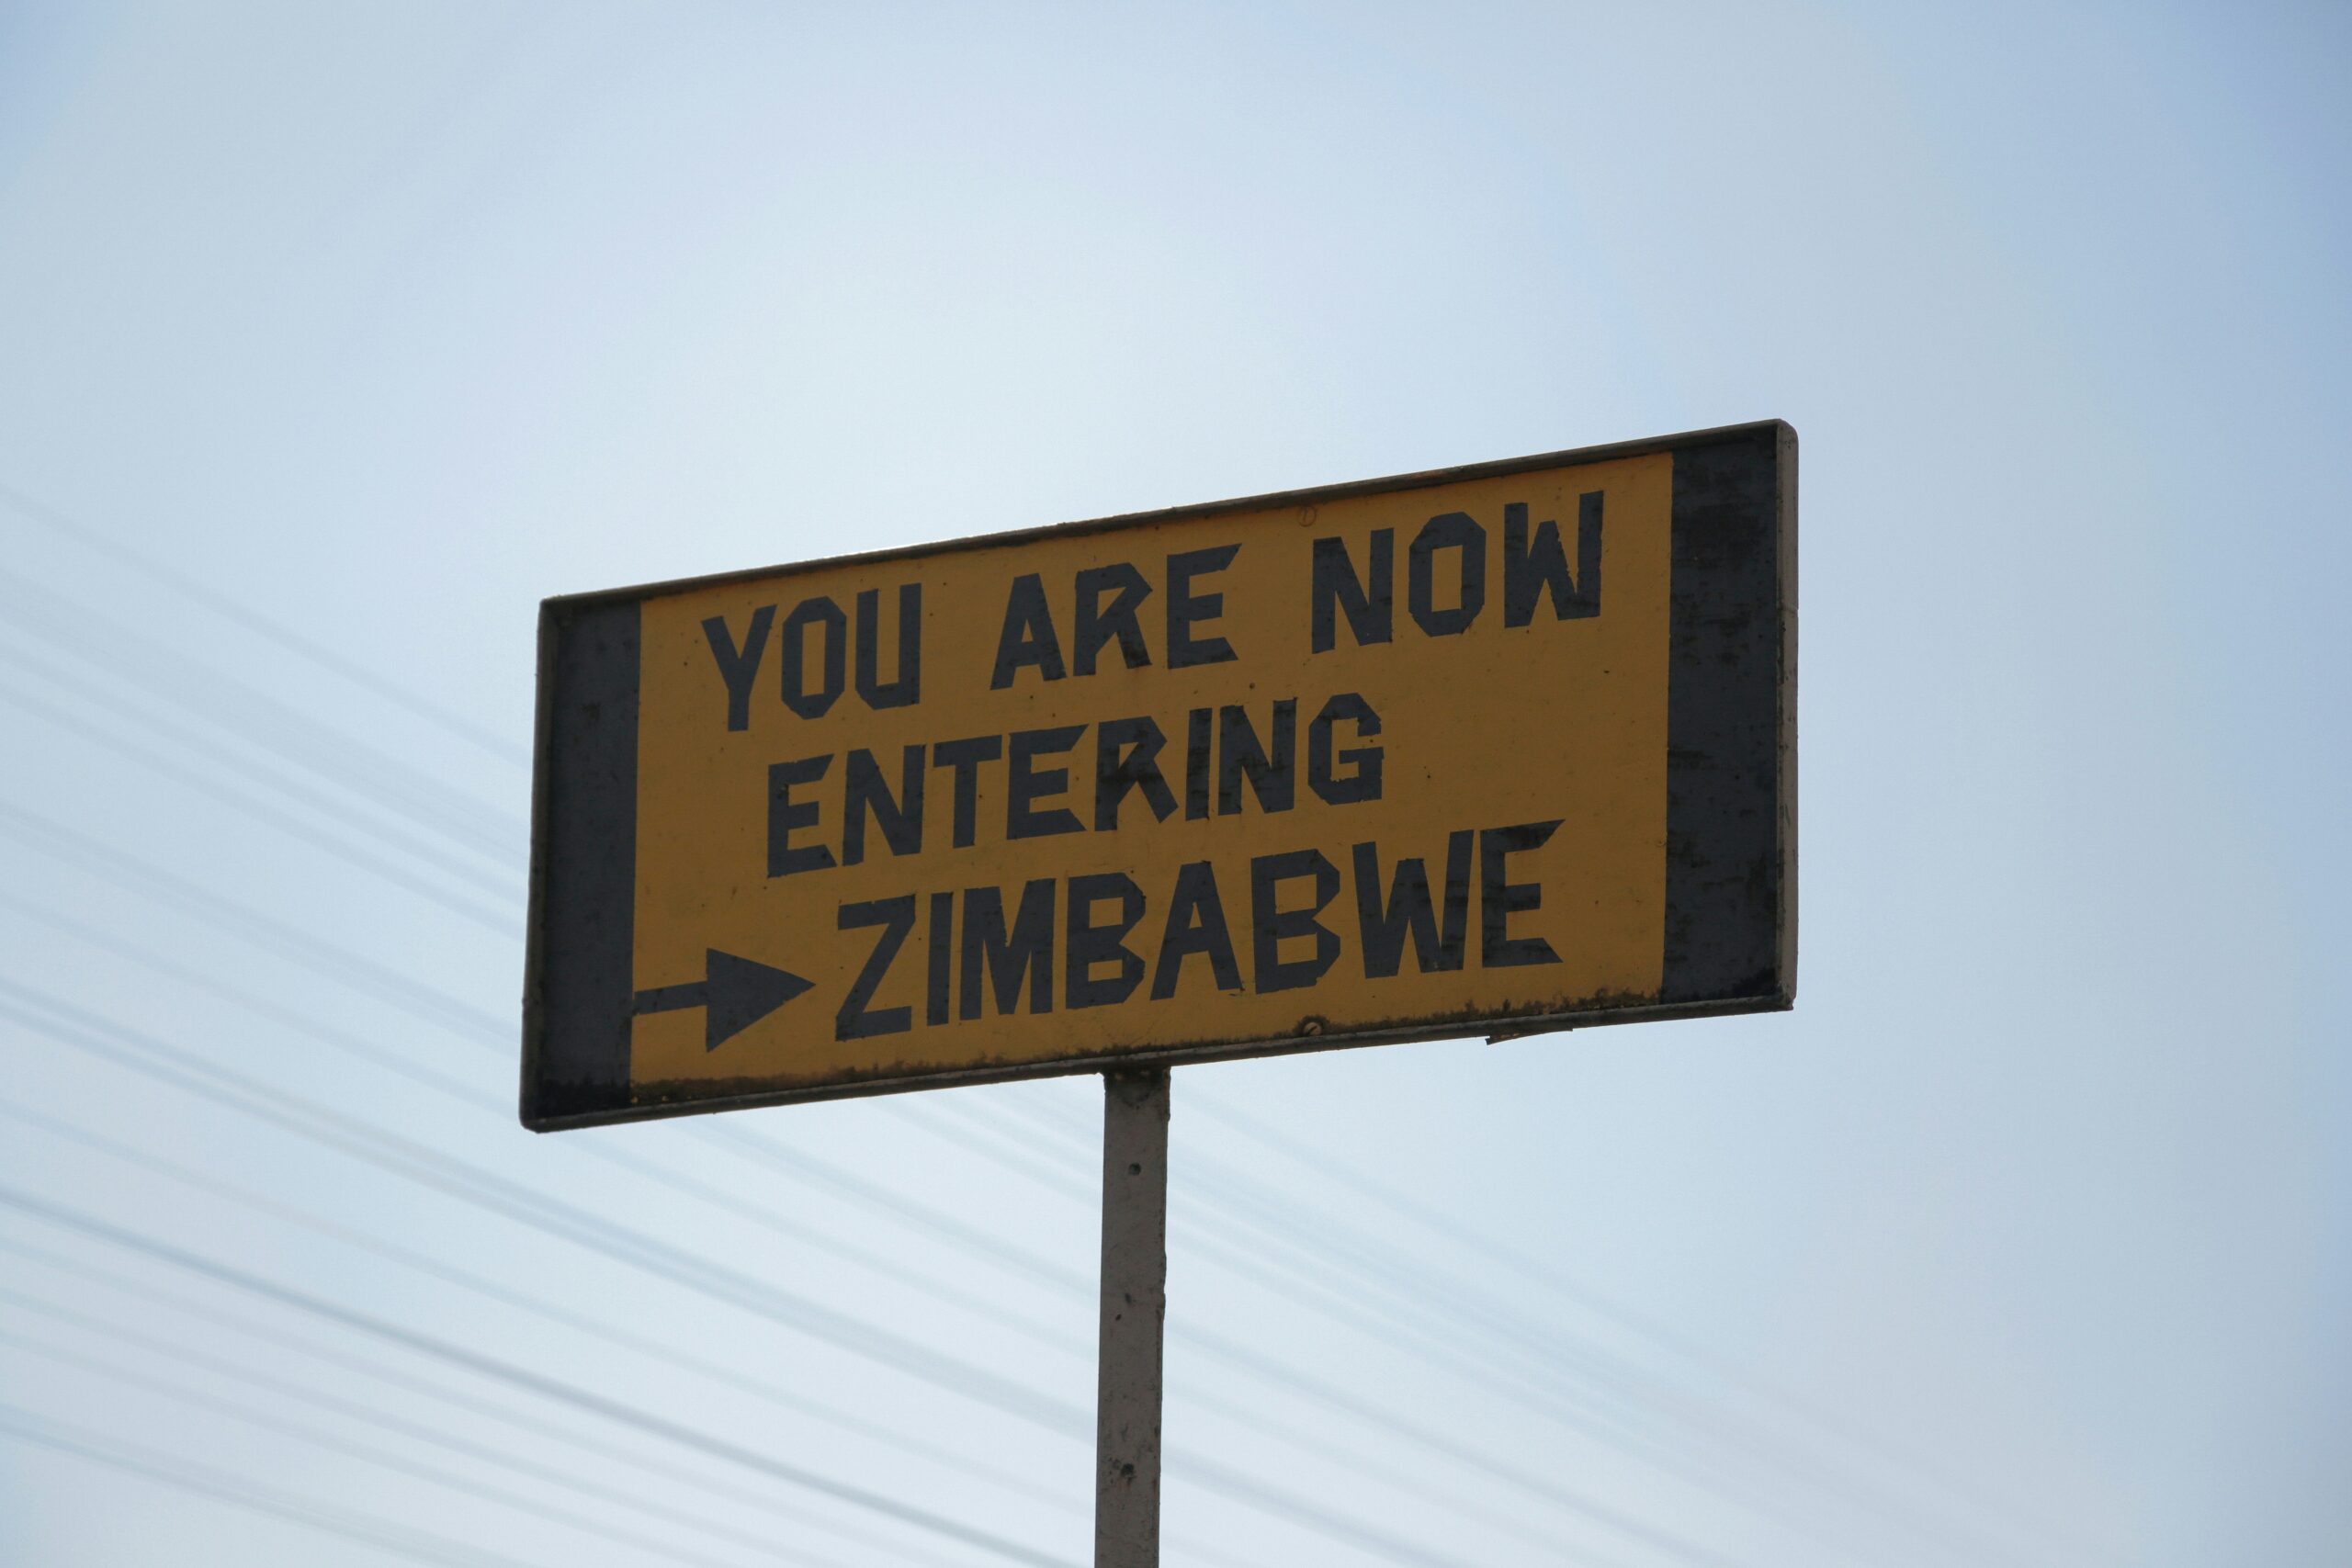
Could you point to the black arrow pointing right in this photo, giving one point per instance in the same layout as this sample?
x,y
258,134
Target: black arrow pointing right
x,y
734,994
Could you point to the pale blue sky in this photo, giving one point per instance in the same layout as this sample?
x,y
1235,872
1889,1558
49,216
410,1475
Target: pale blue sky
x,y
2025,1238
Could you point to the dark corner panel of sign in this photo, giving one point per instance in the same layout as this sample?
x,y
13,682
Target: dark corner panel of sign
x,y
1729,687
584,853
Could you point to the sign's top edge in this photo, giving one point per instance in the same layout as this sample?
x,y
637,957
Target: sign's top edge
x,y
1313,495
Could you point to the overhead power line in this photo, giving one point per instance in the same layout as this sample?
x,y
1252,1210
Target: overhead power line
x,y
223,1486
667,1549
555,1390
162,764
1967,1535
1400,1478
267,628
279,1343
552,1216
367,770
76,847
159,721
732,1377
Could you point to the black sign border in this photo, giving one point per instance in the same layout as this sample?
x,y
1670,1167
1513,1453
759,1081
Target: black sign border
x,y
1731,792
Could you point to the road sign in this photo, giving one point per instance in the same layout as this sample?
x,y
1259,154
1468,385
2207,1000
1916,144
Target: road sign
x,y
1494,750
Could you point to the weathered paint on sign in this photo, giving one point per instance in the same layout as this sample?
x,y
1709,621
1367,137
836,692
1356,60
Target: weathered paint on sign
x,y
1491,750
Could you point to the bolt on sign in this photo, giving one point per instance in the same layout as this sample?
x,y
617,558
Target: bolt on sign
x,y
1495,749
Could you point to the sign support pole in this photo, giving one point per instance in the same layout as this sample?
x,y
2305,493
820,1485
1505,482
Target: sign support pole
x,y
1134,1307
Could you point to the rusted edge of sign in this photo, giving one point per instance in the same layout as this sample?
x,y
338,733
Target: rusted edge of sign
x,y
1731,793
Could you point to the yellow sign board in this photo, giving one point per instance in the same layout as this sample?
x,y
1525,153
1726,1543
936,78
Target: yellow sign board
x,y
1489,750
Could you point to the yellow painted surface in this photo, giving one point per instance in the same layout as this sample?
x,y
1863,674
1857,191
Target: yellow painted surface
x,y
1558,720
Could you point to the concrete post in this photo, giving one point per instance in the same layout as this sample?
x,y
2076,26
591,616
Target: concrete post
x,y
1134,1305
